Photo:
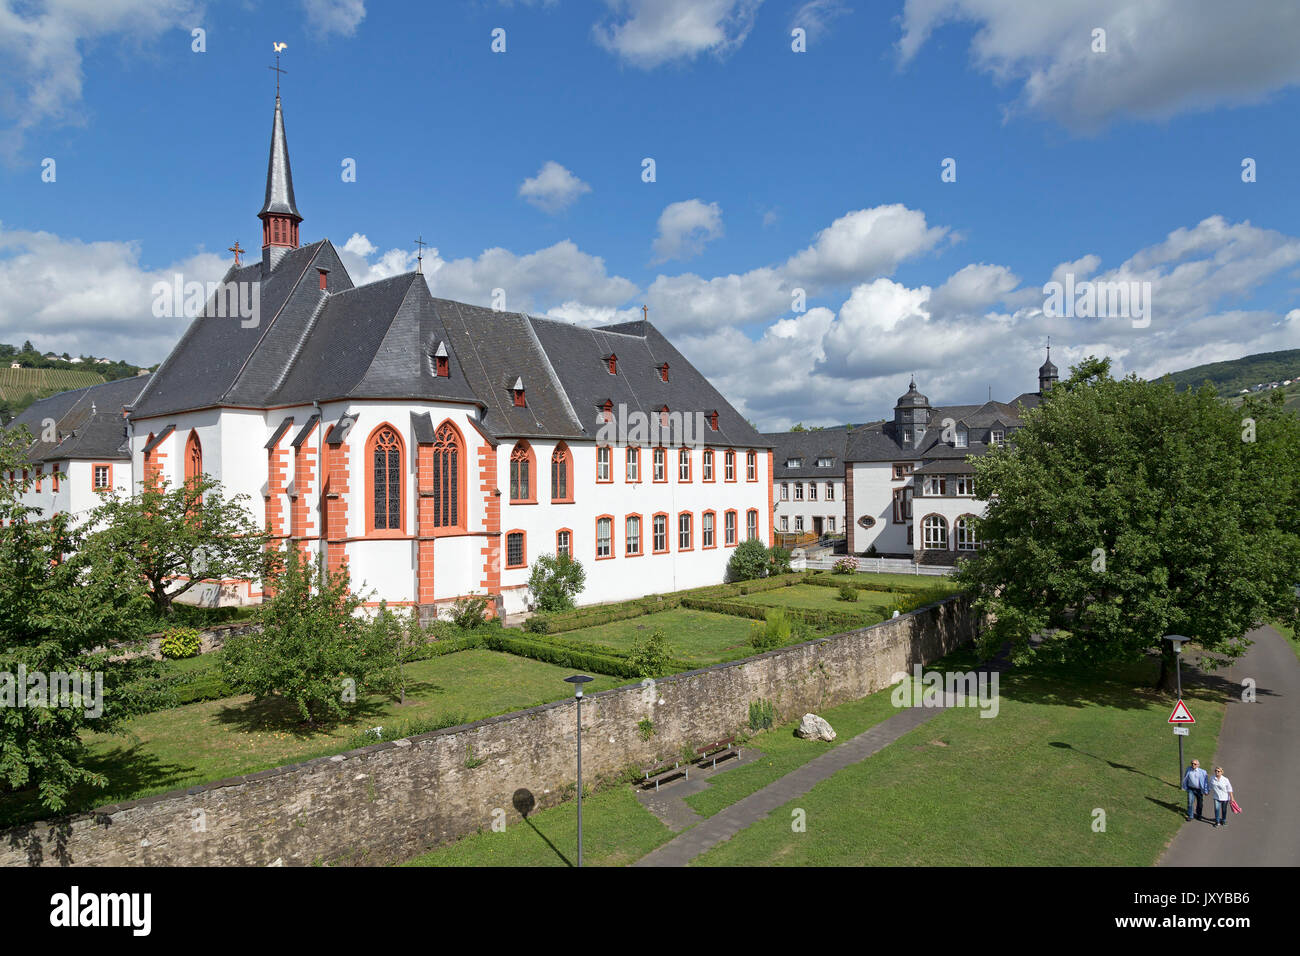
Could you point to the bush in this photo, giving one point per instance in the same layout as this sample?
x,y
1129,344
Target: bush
x,y
537,624
179,642
779,561
402,729
848,594
470,612
774,632
749,561
645,728
762,715
651,657
555,581
847,565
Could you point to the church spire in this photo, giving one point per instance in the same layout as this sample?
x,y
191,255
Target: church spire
x,y
279,215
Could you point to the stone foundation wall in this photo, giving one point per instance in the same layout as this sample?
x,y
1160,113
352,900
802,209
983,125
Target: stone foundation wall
x,y
390,801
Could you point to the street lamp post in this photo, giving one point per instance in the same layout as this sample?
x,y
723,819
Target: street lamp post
x,y
1178,641
577,680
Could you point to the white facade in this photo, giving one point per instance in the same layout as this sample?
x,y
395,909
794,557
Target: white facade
x,y
809,506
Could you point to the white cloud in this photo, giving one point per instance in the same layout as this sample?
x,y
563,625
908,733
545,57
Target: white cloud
x,y
685,228
1163,57
815,16
41,49
553,189
863,244
334,16
71,296
647,33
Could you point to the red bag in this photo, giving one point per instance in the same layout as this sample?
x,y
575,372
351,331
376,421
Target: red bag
x,y
1235,808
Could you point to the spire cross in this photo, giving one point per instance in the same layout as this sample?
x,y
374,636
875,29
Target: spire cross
x,y
419,255
236,250
278,71
645,312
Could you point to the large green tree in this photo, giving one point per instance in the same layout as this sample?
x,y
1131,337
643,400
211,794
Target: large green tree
x,y
177,537
59,611
1125,510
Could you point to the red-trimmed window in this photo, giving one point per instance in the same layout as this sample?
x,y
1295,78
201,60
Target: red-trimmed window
x,y
751,524
448,479
663,372
684,465
729,529
602,464
442,367
564,542
561,473
520,400
659,526
708,464
604,537
729,466
40,473
634,464
660,464
663,417
193,458
707,538
684,531
387,480
607,411
613,364
713,421
54,476
632,536
751,466
522,467
516,549
101,477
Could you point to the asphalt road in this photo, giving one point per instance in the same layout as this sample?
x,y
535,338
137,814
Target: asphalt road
x,y
1259,750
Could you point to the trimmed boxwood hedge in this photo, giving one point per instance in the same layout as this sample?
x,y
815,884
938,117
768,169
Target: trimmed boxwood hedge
x,y
818,620
566,655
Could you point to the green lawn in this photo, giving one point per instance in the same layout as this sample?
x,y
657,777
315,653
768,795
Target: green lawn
x,y
616,831
1289,634
1017,789
870,604
911,582
198,743
698,637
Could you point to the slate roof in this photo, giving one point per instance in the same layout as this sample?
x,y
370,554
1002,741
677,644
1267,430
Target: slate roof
x,y
279,177
807,447
88,422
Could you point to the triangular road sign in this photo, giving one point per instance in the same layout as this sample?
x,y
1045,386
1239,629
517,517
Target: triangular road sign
x,y
1181,715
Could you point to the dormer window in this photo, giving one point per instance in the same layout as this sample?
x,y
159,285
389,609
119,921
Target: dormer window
x,y
663,417
794,463
962,439
607,411
713,421
998,437
441,361
518,391
663,372
613,364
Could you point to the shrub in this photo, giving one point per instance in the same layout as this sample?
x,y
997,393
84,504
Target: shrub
x,y
780,561
848,594
178,642
470,612
555,581
537,624
651,657
846,565
761,714
749,561
645,728
406,728
774,632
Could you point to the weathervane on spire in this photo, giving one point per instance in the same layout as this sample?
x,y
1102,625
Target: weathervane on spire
x,y
236,250
419,255
278,48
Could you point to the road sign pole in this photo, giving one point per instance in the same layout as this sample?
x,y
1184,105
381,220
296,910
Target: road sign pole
x,y
1178,666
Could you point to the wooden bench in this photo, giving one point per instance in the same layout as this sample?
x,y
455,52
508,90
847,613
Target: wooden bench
x,y
656,775
718,750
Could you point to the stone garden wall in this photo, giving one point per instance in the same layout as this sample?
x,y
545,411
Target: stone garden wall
x,y
390,801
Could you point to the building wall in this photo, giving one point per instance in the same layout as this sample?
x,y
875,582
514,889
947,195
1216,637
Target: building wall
x,y
873,495
791,509
949,507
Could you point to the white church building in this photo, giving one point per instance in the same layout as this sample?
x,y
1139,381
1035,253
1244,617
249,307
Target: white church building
x,y
436,448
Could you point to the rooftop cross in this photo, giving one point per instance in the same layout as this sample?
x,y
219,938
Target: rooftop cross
x,y
236,250
419,256
276,68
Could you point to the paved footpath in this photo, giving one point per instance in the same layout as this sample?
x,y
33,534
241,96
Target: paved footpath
x,y
1259,750
727,823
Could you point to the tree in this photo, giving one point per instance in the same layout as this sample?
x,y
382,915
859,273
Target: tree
x,y
1125,510
313,649
178,537
556,579
58,611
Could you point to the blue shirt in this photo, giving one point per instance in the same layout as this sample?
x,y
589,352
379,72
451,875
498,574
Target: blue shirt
x,y
1197,781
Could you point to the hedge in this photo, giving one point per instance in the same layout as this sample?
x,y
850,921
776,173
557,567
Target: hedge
x,y
818,620
568,656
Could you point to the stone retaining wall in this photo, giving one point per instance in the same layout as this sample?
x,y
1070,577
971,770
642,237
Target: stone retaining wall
x,y
390,801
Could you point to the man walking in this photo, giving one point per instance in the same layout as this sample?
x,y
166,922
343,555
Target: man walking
x,y
1197,784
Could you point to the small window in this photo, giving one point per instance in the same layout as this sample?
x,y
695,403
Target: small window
x,y
684,531
604,535
564,543
613,364
515,549
825,462
519,398
794,463
633,535
751,466
663,372
785,491
661,533
607,411
730,466
998,437
812,491
102,473
442,367
602,464
729,528
684,465
830,491
634,464
785,523
830,524
661,465
708,464
706,529
964,529
798,491
713,421
936,533
798,523
962,439
965,485
751,524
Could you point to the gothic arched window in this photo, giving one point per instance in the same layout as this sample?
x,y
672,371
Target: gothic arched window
x,y
385,479
448,485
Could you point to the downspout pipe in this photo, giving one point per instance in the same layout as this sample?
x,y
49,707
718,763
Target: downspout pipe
x,y
322,547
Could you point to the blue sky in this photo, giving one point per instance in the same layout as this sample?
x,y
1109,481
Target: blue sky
x,y
775,171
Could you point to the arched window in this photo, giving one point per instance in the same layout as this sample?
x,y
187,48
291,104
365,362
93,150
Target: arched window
x,y
935,531
448,457
964,531
561,473
386,479
193,458
521,473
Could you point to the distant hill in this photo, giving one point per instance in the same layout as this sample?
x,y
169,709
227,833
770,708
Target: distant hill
x,y
1229,378
40,375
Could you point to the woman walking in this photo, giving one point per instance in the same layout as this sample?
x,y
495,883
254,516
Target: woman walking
x,y
1222,788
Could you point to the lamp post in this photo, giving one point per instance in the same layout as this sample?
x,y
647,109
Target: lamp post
x,y
577,680
1178,641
